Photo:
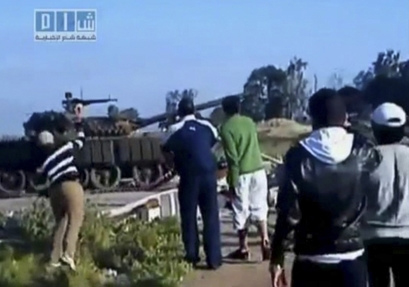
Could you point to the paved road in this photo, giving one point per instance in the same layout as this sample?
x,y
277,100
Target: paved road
x,y
105,200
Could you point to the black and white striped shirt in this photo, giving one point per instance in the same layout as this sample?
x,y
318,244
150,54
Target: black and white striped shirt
x,y
60,164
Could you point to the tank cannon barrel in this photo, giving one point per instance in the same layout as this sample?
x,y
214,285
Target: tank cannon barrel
x,y
70,104
75,101
208,105
144,122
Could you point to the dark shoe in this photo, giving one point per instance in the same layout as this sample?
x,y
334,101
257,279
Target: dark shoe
x,y
213,267
194,262
239,254
265,251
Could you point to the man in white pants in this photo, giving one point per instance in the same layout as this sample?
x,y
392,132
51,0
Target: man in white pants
x,y
247,178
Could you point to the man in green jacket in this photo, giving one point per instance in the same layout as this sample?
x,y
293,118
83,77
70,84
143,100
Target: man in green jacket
x,y
247,178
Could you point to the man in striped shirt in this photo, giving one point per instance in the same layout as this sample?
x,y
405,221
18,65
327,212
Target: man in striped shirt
x,y
66,195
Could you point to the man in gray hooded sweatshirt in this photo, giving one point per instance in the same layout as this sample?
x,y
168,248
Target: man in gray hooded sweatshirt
x,y
386,227
322,199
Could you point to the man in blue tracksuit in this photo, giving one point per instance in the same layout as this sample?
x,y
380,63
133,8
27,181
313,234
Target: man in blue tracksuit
x,y
190,141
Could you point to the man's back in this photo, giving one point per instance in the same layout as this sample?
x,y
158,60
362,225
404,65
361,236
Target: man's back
x,y
388,193
327,170
239,133
191,140
322,200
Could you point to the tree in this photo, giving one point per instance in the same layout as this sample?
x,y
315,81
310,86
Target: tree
x,y
272,92
264,90
335,81
172,100
261,87
296,90
387,89
387,79
387,64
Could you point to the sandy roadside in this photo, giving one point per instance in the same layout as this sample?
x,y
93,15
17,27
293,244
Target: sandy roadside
x,y
236,274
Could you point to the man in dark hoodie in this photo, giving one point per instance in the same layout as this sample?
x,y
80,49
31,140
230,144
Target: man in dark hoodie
x,y
321,198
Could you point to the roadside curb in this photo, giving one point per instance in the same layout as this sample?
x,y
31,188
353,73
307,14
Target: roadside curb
x,y
161,204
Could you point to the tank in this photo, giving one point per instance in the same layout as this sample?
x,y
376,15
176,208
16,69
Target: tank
x,y
19,158
116,156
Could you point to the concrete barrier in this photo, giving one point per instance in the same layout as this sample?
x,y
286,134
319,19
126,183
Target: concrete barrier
x,y
162,204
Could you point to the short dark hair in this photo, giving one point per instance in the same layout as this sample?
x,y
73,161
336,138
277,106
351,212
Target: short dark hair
x,y
352,97
186,107
348,91
231,105
326,108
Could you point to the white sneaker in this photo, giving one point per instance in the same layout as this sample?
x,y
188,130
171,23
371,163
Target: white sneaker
x,y
51,267
68,261
54,265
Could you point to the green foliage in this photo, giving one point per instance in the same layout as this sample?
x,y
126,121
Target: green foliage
x,y
273,92
142,253
387,64
172,100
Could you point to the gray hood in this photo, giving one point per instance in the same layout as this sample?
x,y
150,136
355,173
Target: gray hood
x,y
329,145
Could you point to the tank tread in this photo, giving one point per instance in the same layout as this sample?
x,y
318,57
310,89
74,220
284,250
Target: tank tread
x,y
161,184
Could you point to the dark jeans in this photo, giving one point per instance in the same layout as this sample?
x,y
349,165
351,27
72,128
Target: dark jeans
x,y
387,255
200,191
351,273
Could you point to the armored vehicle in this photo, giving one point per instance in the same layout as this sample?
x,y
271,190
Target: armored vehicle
x,y
117,156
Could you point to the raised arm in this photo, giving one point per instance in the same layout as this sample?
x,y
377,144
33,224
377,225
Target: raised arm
x,y
80,140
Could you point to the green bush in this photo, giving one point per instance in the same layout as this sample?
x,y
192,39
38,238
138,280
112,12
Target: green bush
x,y
141,253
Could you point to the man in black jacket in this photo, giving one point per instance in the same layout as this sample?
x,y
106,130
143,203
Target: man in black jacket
x,y
322,199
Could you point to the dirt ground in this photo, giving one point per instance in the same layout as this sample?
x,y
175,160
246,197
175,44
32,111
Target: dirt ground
x,y
232,275
236,274
253,274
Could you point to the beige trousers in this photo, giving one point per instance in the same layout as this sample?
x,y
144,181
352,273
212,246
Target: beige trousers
x,y
67,203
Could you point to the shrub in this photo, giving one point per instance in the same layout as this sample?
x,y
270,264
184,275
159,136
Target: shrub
x,y
137,253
